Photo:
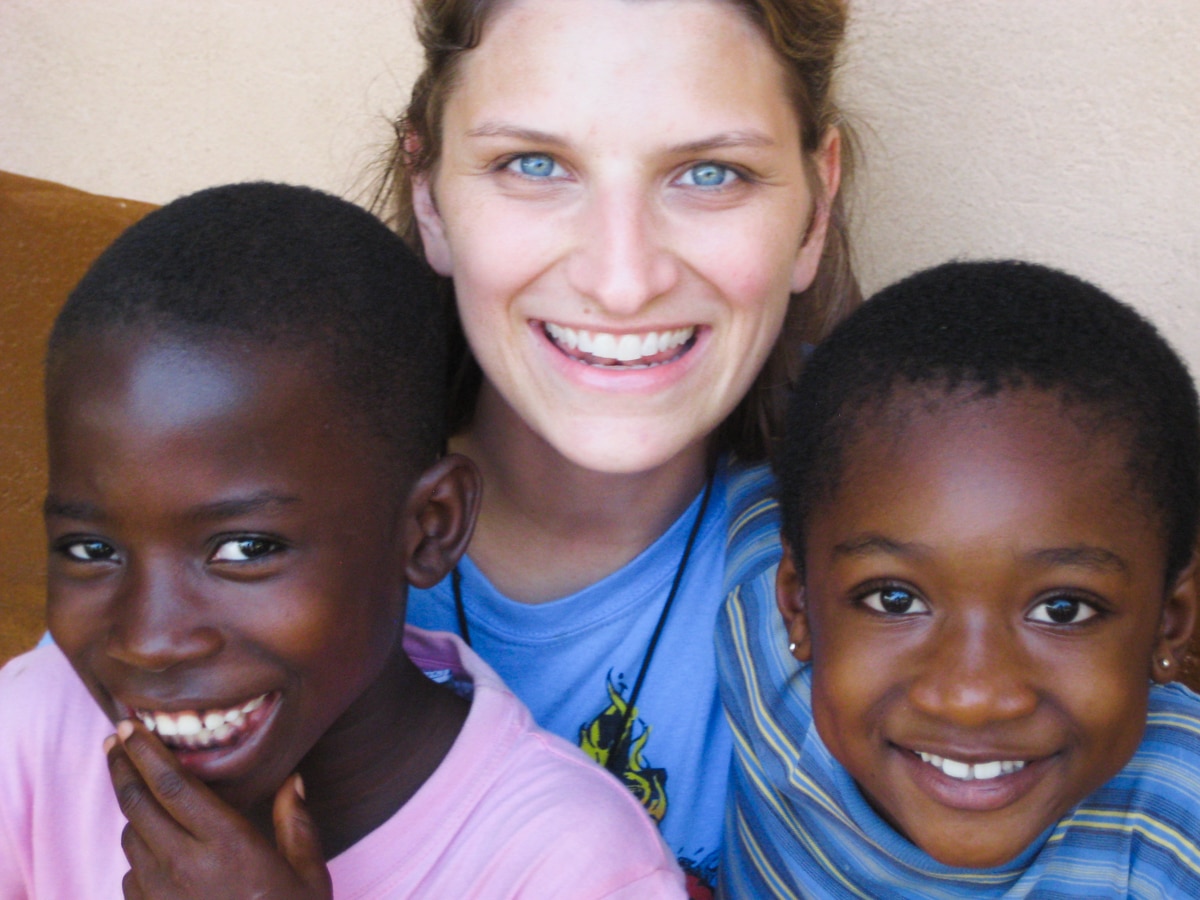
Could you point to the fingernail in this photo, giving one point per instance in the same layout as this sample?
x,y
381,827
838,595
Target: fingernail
x,y
109,743
300,786
124,729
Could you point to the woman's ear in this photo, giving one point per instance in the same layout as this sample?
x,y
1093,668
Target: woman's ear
x,y
431,226
792,603
828,164
1175,626
440,517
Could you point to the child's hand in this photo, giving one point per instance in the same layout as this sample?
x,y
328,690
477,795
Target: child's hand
x,y
184,841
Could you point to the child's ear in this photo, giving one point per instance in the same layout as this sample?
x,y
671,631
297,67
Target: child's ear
x,y
789,596
1176,625
440,515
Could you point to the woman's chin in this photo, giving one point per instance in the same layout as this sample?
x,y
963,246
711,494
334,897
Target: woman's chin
x,y
623,448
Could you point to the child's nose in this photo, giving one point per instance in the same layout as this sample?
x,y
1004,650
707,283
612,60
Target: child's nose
x,y
974,674
155,624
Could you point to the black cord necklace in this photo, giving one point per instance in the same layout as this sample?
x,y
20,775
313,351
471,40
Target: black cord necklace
x,y
618,749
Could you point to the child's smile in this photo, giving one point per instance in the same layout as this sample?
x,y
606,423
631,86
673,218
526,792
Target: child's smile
x,y
226,563
209,738
984,599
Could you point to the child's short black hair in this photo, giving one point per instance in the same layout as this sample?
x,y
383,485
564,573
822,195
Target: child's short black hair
x,y
989,327
263,263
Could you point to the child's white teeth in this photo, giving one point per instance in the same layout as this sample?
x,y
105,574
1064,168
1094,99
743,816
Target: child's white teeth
x,y
194,729
968,772
626,348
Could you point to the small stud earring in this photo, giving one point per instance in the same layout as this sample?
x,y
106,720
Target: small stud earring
x,y
1166,663
792,647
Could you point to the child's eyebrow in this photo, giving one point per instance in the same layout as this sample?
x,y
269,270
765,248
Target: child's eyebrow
x,y
86,512
241,506
867,544
1083,556
221,509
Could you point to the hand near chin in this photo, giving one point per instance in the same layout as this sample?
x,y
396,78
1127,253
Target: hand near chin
x,y
183,841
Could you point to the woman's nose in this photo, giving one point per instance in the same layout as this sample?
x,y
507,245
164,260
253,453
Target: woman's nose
x,y
157,620
621,260
974,674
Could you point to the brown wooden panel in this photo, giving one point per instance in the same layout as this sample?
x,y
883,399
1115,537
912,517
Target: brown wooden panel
x,y
49,235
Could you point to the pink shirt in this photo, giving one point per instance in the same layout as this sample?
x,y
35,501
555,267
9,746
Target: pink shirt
x,y
511,812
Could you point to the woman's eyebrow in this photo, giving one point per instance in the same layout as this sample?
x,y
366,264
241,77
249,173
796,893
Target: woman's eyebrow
x,y
724,140
718,141
530,135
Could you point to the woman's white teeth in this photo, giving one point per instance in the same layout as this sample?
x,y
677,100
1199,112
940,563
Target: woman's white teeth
x,y
194,729
626,348
968,772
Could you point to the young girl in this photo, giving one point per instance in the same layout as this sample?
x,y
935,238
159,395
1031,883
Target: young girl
x,y
989,494
632,201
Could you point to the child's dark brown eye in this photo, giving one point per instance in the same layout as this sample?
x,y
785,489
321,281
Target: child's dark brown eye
x,y
1062,611
89,551
895,601
244,549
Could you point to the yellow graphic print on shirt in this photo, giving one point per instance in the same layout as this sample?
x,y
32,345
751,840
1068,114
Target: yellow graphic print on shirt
x,y
598,738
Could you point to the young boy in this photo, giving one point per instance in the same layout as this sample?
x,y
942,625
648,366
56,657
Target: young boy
x,y
989,496
244,407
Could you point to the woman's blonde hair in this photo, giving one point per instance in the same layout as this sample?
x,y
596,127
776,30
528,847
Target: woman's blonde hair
x,y
807,36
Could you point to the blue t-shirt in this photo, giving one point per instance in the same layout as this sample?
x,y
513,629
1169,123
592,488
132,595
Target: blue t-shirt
x,y
573,661
798,826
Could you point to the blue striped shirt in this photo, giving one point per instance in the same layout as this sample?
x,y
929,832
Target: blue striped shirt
x,y
797,825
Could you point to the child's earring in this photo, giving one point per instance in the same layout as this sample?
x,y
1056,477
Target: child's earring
x,y
1163,672
791,647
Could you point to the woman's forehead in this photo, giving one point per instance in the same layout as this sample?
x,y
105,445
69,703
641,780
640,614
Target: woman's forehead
x,y
592,61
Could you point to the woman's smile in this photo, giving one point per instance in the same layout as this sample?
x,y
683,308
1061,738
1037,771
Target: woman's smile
x,y
627,350
622,186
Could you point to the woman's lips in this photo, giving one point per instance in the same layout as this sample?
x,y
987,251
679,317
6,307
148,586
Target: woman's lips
x,y
604,349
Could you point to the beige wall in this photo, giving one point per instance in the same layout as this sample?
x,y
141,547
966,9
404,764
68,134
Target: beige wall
x,y
1066,131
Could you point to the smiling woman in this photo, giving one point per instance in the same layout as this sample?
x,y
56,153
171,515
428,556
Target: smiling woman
x,y
635,205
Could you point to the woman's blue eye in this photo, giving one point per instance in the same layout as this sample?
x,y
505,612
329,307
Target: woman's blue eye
x,y
89,551
244,549
1062,611
895,601
535,165
709,175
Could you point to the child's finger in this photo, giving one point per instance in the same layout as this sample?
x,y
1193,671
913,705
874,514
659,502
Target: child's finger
x,y
131,887
137,801
137,852
182,796
297,838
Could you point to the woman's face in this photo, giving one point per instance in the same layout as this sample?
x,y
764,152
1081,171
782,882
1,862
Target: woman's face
x,y
623,206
